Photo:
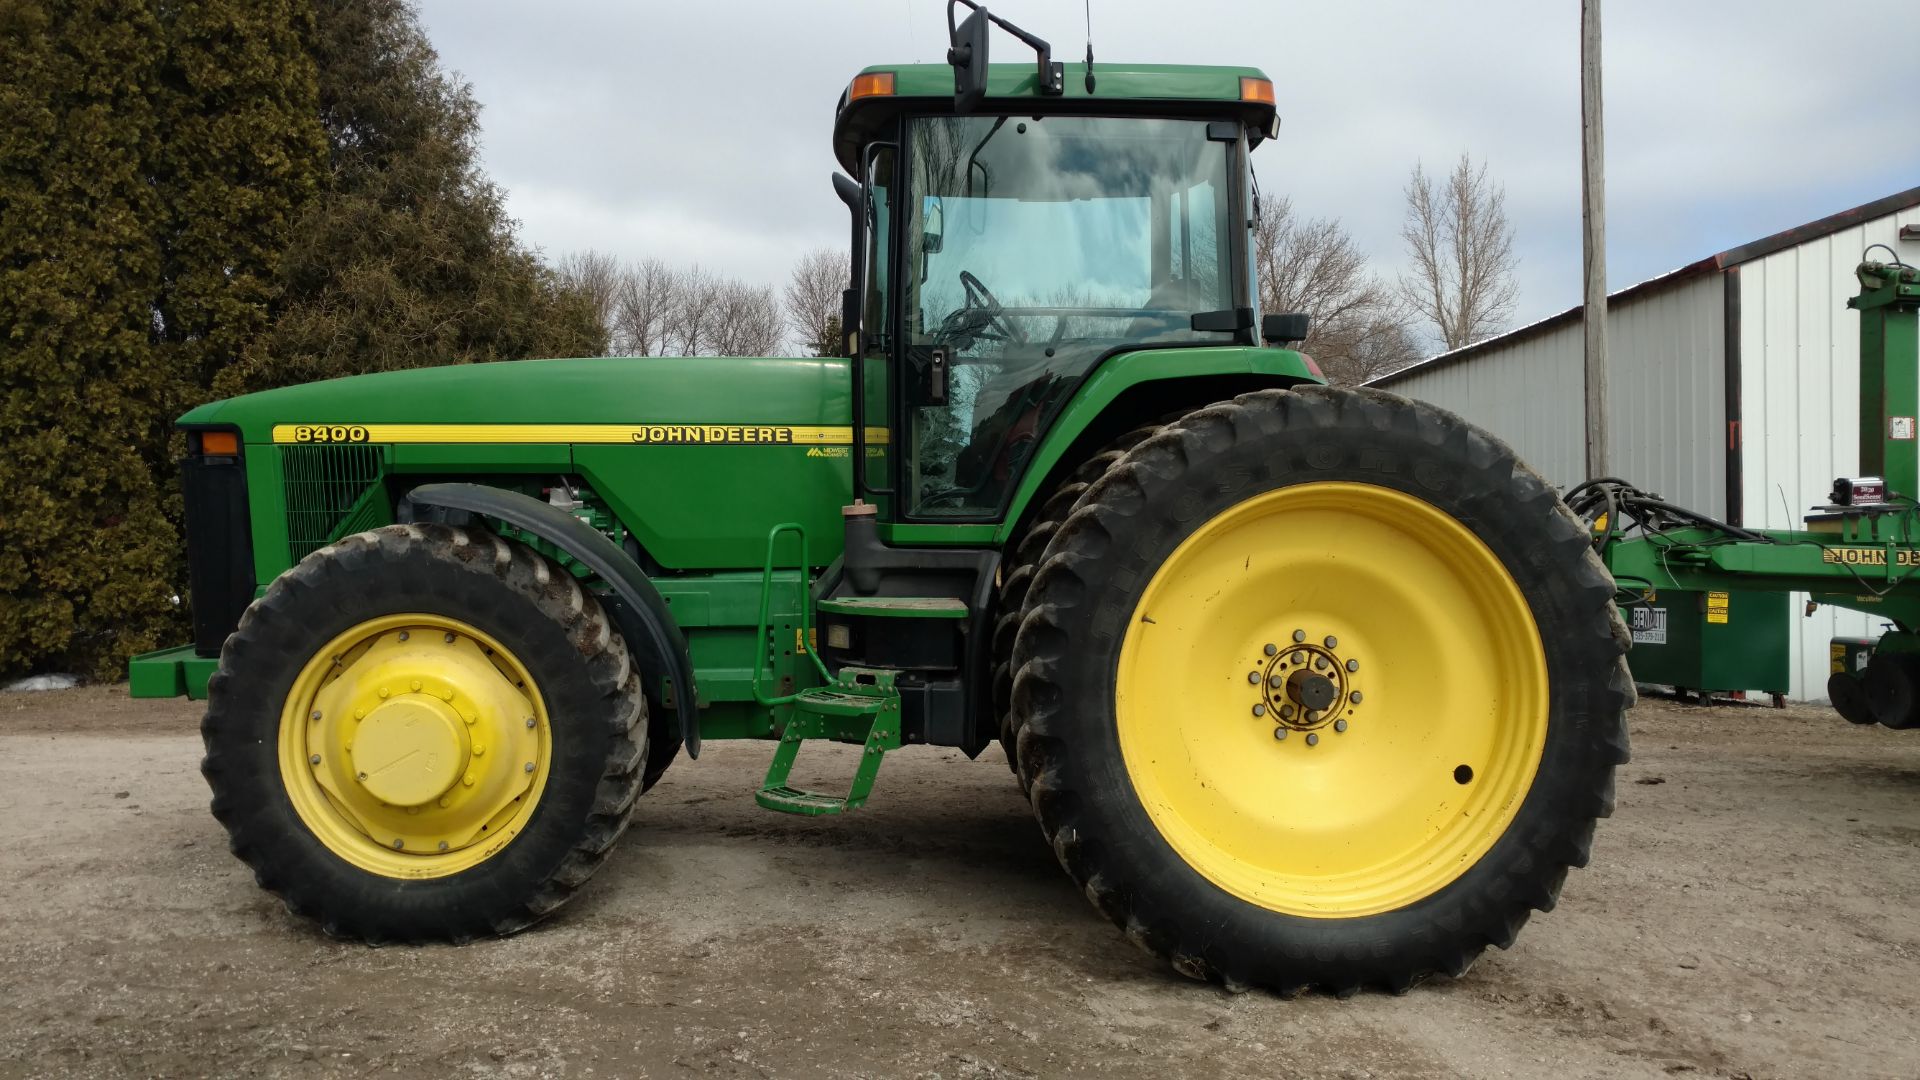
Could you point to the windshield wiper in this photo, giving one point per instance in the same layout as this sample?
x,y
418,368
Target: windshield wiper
x,y
972,159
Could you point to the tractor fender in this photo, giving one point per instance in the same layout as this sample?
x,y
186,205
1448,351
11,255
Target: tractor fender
x,y
643,616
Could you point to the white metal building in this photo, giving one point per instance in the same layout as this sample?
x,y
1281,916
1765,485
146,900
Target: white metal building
x,y
1733,382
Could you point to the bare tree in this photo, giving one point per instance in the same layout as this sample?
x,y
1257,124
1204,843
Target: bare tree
x,y
596,276
648,294
695,304
1462,249
1360,329
746,320
813,300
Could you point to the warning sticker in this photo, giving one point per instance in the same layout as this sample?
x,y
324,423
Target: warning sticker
x,y
1716,607
1649,625
1899,427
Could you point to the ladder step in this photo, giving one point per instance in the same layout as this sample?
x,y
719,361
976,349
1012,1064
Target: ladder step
x,y
833,702
903,607
811,803
860,706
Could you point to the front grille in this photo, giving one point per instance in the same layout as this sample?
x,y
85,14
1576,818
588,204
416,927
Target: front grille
x,y
219,548
332,491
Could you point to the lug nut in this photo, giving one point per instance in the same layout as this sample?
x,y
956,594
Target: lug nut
x,y
1276,681
403,635
316,714
359,714
1353,665
1253,678
1298,657
384,691
445,801
529,721
1313,739
1272,648
362,777
529,766
1286,712
1299,636
443,843
314,760
1259,710
479,750
1280,733
399,844
449,638
1339,725
1332,641
1354,697
416,684
467,780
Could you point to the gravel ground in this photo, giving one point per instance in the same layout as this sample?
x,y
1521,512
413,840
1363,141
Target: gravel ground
x,y
1751,912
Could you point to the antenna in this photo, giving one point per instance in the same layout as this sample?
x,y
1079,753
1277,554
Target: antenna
x,y
1089,6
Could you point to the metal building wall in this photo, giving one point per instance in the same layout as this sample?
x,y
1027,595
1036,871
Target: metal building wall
x,y
1668,390
1799,400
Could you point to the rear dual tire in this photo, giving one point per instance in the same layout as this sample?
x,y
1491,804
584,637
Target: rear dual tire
x,y
1178,810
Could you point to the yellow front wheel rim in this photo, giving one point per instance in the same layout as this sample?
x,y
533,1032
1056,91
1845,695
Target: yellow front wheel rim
x,y
1332,699
414,746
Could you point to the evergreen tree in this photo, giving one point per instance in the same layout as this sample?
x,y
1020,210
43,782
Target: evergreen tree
x,y
86,551
199,197
408,258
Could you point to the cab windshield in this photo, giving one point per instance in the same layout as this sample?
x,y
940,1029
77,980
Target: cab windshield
x,y
1035,246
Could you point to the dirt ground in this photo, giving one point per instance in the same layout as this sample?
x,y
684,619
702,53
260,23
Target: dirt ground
x,y
1753,911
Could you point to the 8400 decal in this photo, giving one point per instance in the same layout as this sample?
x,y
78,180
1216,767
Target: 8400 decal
x,y
329,433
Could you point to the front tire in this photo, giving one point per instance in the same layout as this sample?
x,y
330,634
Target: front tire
x,y
1320,688
424,733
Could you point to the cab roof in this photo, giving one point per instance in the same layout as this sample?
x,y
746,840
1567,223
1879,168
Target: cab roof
x,y
1125,89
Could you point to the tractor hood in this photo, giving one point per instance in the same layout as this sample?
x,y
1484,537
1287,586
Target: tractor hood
x,y
597,390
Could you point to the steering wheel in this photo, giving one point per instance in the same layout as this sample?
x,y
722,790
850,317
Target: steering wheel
x,y
981,298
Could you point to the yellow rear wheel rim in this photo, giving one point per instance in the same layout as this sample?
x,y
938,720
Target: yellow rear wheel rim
x,y
414,746
1423,655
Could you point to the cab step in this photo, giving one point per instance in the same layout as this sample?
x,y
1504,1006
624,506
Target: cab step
x,y
899,607
860,705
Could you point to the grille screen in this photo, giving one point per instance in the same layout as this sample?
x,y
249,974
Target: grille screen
x,y
331,492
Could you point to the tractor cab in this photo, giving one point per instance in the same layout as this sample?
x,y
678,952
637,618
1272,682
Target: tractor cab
x,y
1013,228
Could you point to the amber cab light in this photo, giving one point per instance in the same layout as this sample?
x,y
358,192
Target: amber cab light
x,y
871,84
1256,90
219,444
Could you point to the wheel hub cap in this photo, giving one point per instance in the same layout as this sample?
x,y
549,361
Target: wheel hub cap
x,y
409,751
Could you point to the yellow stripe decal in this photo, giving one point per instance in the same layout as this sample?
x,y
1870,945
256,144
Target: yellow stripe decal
x,y
629,434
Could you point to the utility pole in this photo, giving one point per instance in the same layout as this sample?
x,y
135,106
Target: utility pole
x,y
1593,193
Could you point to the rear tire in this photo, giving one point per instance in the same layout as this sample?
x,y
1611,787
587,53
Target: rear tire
x,y
1268,898
423,626
1016,575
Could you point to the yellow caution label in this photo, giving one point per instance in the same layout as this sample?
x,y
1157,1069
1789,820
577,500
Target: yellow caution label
x,y
1836,659
1716,607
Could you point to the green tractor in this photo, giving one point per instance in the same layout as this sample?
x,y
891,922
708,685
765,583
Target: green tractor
x,y
1307,686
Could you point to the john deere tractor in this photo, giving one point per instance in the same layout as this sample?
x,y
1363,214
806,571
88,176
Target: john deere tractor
x,y
1307,686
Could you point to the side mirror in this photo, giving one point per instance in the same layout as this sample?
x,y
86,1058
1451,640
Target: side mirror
x,y
968,55
933,227
1290,328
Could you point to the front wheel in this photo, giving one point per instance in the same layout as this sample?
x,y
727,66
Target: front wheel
x,y
424,733
1320,688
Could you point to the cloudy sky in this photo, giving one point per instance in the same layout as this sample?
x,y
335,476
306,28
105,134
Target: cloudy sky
x,y
698,131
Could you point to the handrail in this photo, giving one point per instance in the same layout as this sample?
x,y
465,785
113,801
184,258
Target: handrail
x,y
760,650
